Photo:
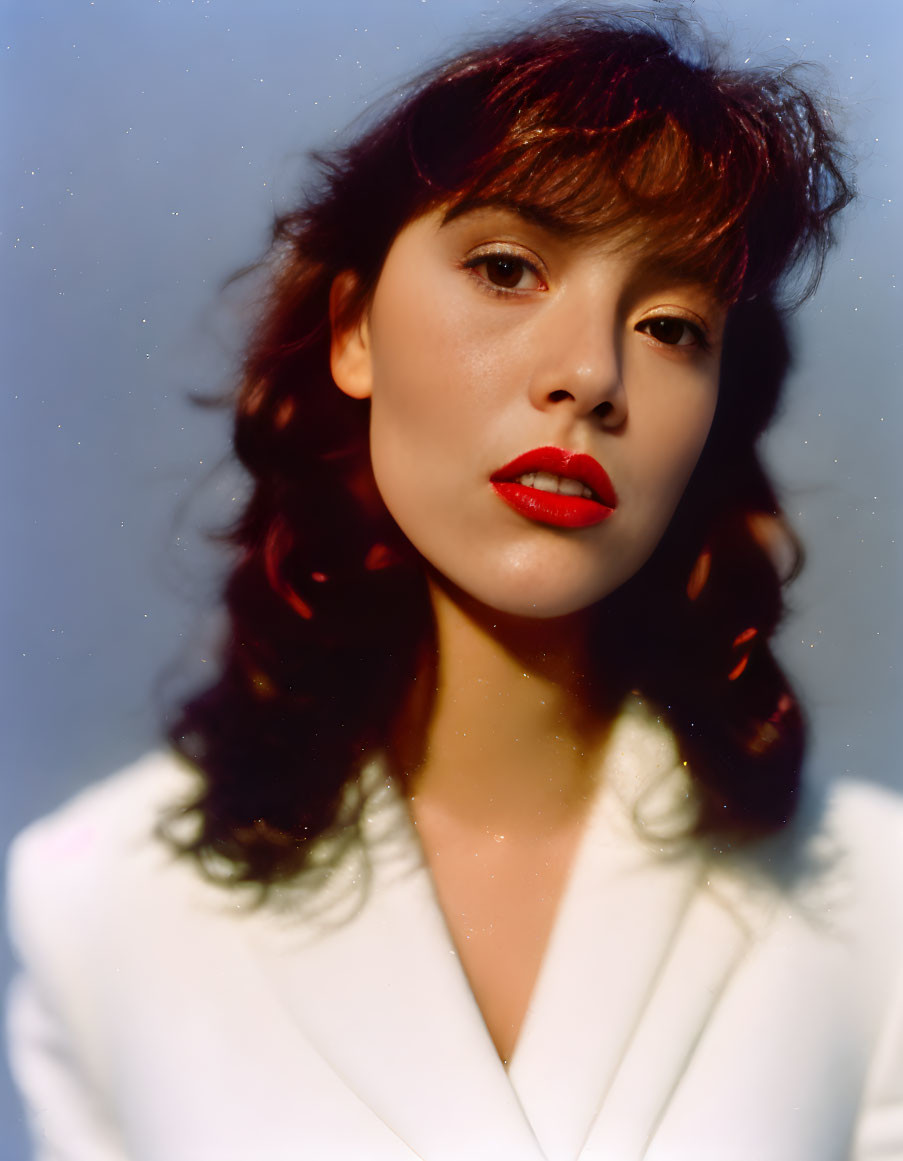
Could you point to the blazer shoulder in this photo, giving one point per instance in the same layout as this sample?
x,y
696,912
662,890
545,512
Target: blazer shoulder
x,y
861,799
861,857
83,850
867,819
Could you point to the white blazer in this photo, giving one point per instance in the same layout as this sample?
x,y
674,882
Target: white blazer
x,y
692,1005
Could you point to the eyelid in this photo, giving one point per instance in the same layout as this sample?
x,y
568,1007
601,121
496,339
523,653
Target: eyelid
x,y
689,318
673,310
511,250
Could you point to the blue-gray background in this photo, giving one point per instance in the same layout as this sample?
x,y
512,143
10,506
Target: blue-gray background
x,y
146,146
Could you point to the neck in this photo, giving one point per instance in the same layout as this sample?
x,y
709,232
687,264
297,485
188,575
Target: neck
x,y
511,730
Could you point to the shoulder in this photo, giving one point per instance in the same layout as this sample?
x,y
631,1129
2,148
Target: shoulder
x,y
862,841
863,806
827,890
863,825
94,849
845,847
104,820
845,893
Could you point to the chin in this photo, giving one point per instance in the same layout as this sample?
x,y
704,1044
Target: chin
x,y
544,607
530,598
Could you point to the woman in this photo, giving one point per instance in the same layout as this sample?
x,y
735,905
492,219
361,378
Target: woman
x,y
500,773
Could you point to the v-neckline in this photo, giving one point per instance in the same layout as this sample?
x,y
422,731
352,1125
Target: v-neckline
x,y
640,755
381,995
462,916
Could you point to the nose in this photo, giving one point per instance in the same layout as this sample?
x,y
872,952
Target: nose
x,y
579,362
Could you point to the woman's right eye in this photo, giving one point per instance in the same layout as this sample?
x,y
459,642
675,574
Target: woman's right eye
x,y
505,272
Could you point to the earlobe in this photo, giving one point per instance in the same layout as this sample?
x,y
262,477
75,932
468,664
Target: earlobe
x,y
349,350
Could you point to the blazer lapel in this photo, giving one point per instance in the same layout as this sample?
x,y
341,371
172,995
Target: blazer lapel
x,y
642,949
378,990
639,956
700,963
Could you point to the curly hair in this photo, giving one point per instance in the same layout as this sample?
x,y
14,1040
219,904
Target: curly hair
x,y
623,124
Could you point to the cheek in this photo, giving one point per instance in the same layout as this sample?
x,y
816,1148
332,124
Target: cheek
x,y
685,437
675,426
443,379
420,418
680,416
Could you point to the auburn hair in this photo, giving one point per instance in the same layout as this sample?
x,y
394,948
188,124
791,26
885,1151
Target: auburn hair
x,y
631,125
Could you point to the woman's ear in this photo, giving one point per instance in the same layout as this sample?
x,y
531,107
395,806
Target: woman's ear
x,y
349,350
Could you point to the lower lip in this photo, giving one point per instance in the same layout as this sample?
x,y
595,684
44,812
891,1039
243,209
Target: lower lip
x,y
552,507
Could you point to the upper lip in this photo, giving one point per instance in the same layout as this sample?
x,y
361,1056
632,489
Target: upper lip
x,y
570,464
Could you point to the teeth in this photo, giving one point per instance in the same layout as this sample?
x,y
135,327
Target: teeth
x,y
546,482
573,488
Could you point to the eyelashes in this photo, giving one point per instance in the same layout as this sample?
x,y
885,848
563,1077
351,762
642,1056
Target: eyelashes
x,y
674,331
506,273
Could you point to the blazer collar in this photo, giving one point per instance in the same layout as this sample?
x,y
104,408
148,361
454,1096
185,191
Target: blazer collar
x,y
643,946
373,980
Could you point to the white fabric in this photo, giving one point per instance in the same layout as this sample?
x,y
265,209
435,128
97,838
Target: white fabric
x,y
692,1005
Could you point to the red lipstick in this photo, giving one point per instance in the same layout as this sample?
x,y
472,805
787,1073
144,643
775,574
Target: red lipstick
x,y
554,507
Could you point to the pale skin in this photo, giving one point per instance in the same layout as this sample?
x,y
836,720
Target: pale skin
x,y
500,841
488,335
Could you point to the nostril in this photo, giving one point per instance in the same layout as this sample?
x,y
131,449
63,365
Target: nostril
x,y
557,396
603,409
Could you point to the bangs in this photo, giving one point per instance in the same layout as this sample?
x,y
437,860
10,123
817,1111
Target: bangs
x,y
726,176
647,184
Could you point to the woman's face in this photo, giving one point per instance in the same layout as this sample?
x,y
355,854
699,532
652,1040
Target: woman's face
x,y
493,351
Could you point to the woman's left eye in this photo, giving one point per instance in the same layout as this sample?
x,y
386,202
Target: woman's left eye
x,y
505,271
673,331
